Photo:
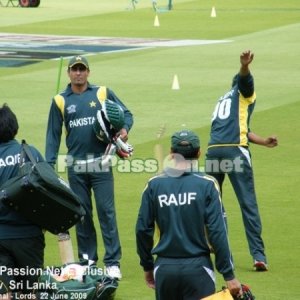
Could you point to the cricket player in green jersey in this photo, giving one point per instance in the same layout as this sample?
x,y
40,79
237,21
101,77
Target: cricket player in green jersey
x,y
76,108
184,207
228,152
22,243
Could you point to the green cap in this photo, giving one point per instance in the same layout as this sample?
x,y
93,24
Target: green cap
x,y
78,60
185,141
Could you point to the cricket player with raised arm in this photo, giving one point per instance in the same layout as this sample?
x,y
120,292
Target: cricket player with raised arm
x,y
185,207
229,143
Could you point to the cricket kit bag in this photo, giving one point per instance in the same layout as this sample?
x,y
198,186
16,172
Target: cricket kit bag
x,y
76,281
41,196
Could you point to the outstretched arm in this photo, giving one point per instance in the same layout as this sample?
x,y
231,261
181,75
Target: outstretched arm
x,y
270,141
244,79
245,58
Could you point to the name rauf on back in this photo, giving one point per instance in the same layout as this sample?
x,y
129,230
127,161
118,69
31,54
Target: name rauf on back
x,y
179,199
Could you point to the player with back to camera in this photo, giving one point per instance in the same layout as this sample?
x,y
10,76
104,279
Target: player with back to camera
x,y
229,142
22,243
76,107
182,205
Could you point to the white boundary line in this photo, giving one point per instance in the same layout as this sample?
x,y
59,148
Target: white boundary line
x,y
140,42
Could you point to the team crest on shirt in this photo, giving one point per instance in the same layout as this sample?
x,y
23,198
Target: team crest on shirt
x,y
92,104
71,109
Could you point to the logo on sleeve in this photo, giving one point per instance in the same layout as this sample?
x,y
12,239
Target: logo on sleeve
x,y
71,109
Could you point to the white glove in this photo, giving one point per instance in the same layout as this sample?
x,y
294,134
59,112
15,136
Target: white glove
x,y
124,150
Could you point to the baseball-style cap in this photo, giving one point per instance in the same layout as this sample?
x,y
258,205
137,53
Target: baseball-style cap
x,y
78,60
185,141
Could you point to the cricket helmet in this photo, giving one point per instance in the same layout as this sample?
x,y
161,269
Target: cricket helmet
x,y
110,119
114,114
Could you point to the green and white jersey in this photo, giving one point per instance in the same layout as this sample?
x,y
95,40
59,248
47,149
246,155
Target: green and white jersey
x,y
77,112
181,210
231,117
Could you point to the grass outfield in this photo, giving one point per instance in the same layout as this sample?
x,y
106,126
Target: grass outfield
x,y
143,80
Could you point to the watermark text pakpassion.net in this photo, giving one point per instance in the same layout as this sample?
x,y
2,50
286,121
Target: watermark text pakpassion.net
x,y
94,164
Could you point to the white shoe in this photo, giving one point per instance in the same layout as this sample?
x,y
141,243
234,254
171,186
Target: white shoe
x,y
114,272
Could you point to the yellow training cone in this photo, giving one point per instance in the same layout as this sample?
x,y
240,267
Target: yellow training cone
x,y
156,21
213,12
175,85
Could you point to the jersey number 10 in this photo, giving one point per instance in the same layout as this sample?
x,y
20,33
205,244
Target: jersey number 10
x,y
222,109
